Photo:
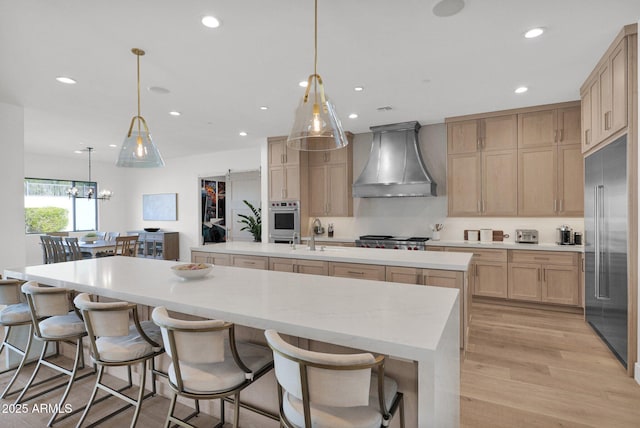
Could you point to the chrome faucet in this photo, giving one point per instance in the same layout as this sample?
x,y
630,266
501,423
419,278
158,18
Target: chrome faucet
x,y
294,238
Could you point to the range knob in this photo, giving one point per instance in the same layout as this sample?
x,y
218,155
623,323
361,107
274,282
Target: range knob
x,y
396,247
409,248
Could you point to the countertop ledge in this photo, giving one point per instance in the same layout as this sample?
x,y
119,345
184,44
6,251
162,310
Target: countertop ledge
x,y
417,259
508,246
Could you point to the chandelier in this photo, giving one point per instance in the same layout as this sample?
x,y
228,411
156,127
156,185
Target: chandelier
x,y
90,193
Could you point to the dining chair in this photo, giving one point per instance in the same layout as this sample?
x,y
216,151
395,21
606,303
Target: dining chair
x,y
205,366
126,246
74,251
111,236
54,251
318,389
47,252
116,343
101,235
54,320
15,314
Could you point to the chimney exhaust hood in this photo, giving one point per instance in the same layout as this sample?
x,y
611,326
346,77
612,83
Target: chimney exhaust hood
x,y
395,167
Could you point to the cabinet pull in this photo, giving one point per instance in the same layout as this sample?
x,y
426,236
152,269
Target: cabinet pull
x,y
544,274
587,136
538,271
555,205
561,204
541,258
562,135
607,120
555,136
353,272
479,208
479,143
484,206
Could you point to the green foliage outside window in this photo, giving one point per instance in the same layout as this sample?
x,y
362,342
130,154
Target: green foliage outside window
x,y
46,219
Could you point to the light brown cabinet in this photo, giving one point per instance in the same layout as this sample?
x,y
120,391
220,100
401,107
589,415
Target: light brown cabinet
x,y
357,271
312,267
249,262
604,97
549,127
481,167
211,258
547,277
487,271
330,181
285,170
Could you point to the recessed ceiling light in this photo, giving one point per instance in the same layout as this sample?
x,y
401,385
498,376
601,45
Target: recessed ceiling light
x,y
242,134
211,22
158,90
264,108
446,8
303,84
353,116
521,90
534,32
113,145
67,80
78,152
358,89
175,113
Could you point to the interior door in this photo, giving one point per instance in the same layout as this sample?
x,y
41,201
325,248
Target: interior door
x,y
241,186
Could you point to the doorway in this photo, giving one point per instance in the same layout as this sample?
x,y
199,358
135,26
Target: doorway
x,y
222,199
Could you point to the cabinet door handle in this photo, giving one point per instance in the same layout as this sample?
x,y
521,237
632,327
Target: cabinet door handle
x,y
544,274
587,136
555,205
607,120
353,272
479,143
538,271
562,135
479,208
561,204
555,136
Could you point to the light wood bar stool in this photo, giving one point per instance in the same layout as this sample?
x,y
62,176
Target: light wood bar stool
x,y
16,313
323,390
205,366
115,343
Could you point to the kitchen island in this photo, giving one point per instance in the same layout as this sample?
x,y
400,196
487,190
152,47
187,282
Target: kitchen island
x,y
418,324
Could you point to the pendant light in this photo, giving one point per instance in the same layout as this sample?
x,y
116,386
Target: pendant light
x,y
316,126
74,192
138,150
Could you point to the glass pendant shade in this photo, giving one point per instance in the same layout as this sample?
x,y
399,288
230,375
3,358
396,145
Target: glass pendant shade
x,y
138,150
316,126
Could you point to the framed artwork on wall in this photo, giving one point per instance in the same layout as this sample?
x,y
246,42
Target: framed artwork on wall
x,y
160,206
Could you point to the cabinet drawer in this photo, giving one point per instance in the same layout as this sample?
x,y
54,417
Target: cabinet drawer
x,y
480,254
212,258
250,262
544,257
443,278
358,271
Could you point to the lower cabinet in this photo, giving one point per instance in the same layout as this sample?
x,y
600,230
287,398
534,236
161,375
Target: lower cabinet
x,y
249,262
357,271
547,277
211,258
312,267
488,272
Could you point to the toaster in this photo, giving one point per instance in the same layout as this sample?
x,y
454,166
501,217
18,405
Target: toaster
x,y
527,236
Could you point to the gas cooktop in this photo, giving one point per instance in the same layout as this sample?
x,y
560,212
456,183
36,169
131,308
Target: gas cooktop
x,y
393,242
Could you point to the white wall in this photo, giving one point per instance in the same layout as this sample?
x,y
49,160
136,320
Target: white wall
x,y
414,216
12,246
637,366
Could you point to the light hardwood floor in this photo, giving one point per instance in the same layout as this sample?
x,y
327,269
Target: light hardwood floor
x,y
534,368
523,368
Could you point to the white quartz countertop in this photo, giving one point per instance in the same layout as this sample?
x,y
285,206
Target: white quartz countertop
x,y
374,256
389,318
323,238
508,246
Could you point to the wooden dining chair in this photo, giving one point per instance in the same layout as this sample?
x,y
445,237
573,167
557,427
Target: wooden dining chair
x,y
126,246
111,236
74,251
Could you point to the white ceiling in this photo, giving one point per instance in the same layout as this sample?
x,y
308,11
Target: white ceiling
x,y
427,68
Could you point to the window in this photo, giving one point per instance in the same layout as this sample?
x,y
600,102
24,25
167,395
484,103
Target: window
x,y
48,207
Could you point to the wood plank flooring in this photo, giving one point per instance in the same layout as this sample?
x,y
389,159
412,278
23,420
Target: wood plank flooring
x,y
535,368
523,368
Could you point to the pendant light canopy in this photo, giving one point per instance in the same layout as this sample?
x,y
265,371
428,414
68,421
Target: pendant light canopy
x,y
316,126
138,150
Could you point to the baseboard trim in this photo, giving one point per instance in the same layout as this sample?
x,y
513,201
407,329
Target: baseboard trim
x,y
636,374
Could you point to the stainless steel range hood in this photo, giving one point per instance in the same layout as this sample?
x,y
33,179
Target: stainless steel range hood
x,y
395,167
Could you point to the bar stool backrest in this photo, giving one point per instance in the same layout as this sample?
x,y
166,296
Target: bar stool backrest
x,y
194,342
10,292
46,301
108,319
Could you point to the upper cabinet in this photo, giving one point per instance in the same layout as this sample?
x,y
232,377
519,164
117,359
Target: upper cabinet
x,y
605,93
524,163
330,182
285,168
481,166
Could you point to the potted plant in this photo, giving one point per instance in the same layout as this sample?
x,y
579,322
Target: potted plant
x,y
252,223
90,237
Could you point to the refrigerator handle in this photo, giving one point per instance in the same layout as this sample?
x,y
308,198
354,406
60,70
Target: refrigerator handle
x,y
599,218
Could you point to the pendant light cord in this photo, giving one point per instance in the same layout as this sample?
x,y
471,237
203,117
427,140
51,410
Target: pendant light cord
x,y
138,58
315,50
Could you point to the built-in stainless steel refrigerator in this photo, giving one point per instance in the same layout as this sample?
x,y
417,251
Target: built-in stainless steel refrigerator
x,y
606,231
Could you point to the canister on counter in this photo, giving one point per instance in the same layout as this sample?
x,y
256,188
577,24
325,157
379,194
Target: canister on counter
x,y
577,238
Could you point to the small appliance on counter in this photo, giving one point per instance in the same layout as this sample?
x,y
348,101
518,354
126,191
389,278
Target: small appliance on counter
x,y
526,236
564,235
486,235
577,238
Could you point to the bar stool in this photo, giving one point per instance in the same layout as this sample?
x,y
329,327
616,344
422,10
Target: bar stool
x,y
332,390
115,343
204,367
16,313
54,320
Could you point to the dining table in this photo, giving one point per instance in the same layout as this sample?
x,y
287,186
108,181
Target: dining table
x,y
97,247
